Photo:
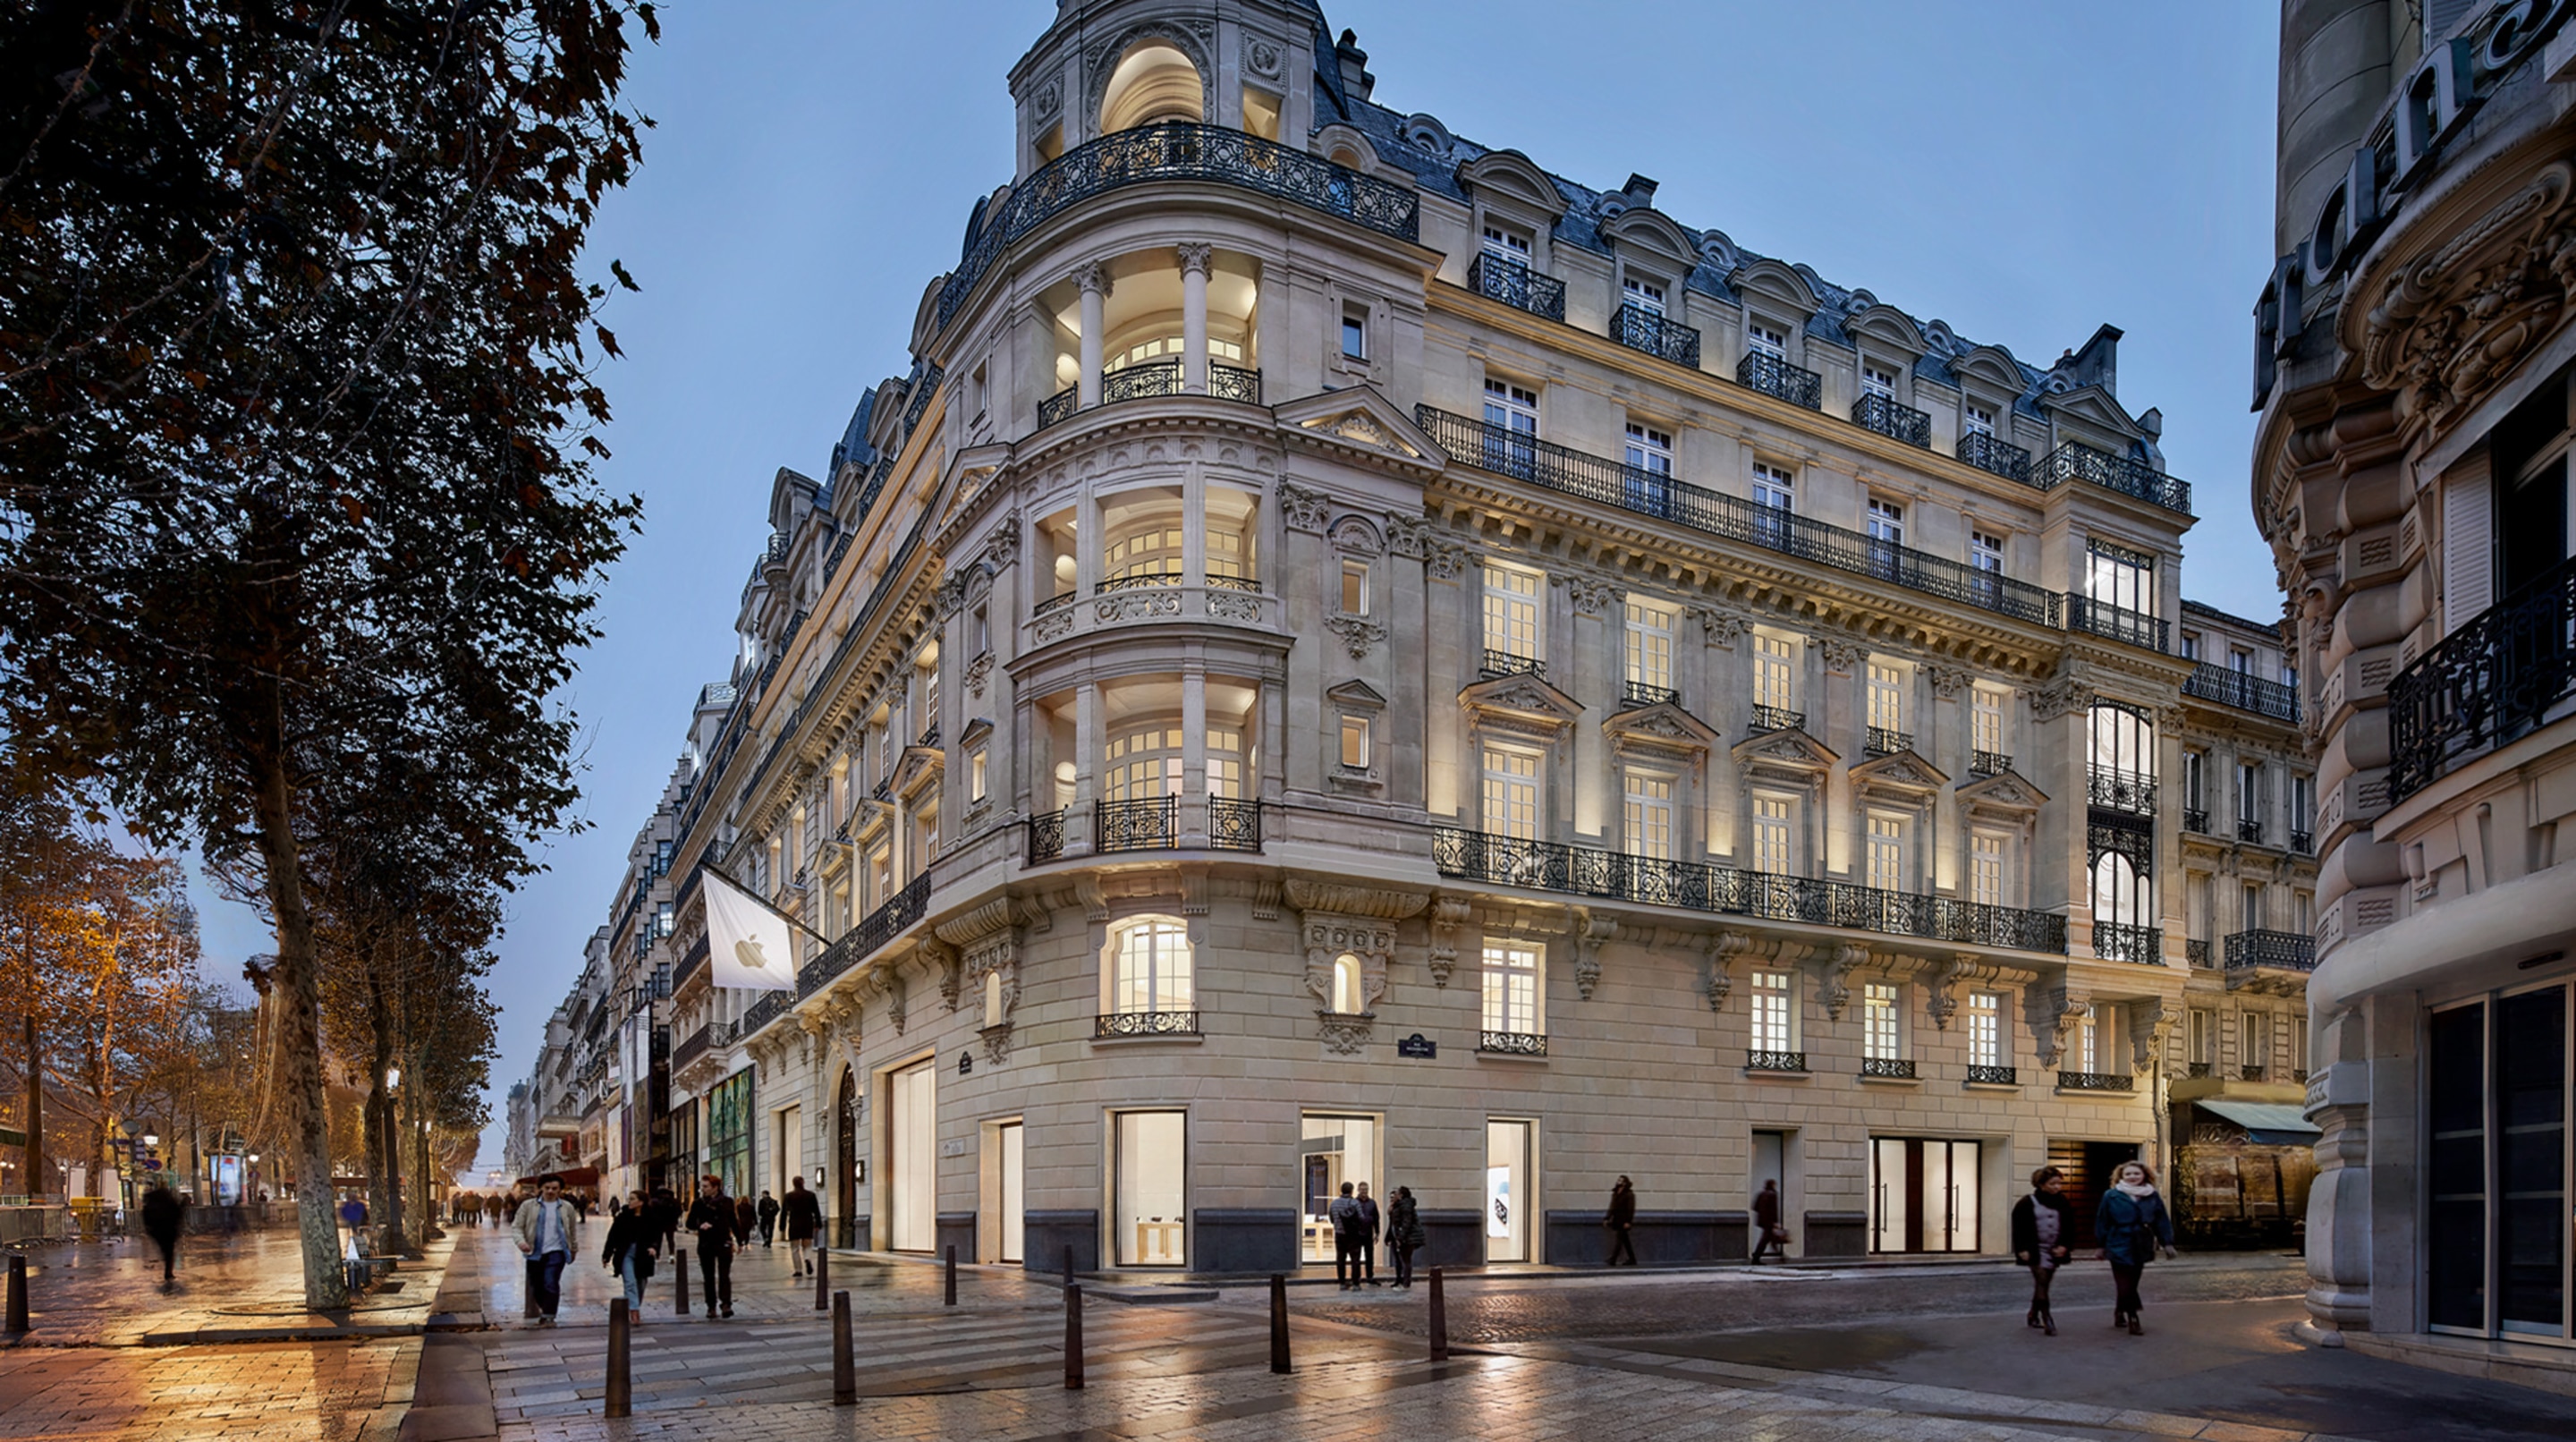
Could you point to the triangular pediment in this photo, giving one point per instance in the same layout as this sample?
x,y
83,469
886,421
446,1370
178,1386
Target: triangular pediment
x,y
1663,724
976,730
1793,749
918,766
2005,790
2092,406
1899,771
1358,416
1526,699
1355,693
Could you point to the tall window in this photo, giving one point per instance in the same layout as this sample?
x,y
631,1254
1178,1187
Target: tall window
x,y
1985,1029
1763,340
1877,381
1150,967
1886,522
2200,1038
2249,799
1776,493
1771,835
1886,699
1511,421
1775,1013
1507,245
1650,816
1986,869
1355,588
1225,762
1986,721
1774,673
2240,660
1977,420
1511,793
2118,576
2088,1040
1355,742
1145,762
2303,803
1512,989
1986,558
1650,646
2254,1045
1645,295
2195,781
1887,853
1650,466
2249,907
1879,1015
1155,551
1511,612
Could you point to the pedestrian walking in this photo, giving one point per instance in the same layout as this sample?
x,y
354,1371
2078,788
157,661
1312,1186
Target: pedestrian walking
x,y
1403,1236
633,1241
1768,1233
545,1228
493,1206
1348,1228
768,1216
666,1212
2133,1227
746,1220
2042,1226
163,1214
1374,1228
711,1222
804,1213
1621,1219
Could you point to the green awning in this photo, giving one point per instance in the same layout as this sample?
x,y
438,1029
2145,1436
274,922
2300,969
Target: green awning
x,y
2271,1124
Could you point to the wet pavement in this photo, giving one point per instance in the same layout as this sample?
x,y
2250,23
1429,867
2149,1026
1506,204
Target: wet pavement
x,y
248,1286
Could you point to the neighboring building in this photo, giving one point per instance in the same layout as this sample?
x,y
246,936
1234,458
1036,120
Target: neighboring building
x,y
1351,657
519,1143
2412,371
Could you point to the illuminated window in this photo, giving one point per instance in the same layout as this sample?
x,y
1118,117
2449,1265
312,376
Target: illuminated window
x,y
1512,989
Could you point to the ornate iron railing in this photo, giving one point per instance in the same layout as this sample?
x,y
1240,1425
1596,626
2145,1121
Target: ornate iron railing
x,y
1775,1061
1234,383
2095,1081
1887,741
1632,488
2196,818
1777,718
1180,150
1216,582
1151,823
2198,1070
1994,1076
2492,680
1056,602
2125,791
2249,828
1995,457
1777,378
1141,381
693,1046
1059,407
1512,1043
2303,842
1633,694
1138,581
1699,886
1144,1023
1516,285
1638,328
2117,623
861,941
1046,837
2253,1071
769,1008
1234,825
2196,952
690,961
1896,422
1989,763
1504,663
2230,687
1890,1067
2077,462
2125,941
2287,950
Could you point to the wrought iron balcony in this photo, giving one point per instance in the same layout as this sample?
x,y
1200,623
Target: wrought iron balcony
x,y
2094,1081
1138,581
2249,828
2198,1070
862,941
1141,381
1777,378
2283,950
1896,422
1699,886
1634,694
1777,718
1151,823
774,552
1775,1061
1144,1023
1889,1067
1512,1043
1234,825
2196,951
693,1046
690,962
1995,457
1180,150
1152,378
2487,683
2230,687
2253,1071
1887,741
2123,791
1638,328
1994,1076
2122,941
1505,663
2117,623
2303,842
2195,818
1059,407
1046,837
1056,602
1526,458
769,1008
1989,763
1516,285
1216,582
1234,383
2076,462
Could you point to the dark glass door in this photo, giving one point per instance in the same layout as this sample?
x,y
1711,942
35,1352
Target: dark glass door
x,y
2455,1229
2531,1162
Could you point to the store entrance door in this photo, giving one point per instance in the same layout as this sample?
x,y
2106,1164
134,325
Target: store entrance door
x,y
1335,1149
1924,1195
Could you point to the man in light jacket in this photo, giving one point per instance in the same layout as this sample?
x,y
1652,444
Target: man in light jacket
x,y
545,1228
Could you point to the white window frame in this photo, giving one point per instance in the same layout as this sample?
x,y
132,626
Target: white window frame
x,y
1512,406
1761,339
1877,380
1504,243
1150,962
1887,686
1986,552
1514,988
1989,868
1774,1011
1775,672
2114,575
1648,647
1976,420
1512,794
1650,448
1644,294
1355,579
1986,721
1772,848
1882,1021
1648,816
1356,740
1985,1029
1775,486
1884,840
1514,615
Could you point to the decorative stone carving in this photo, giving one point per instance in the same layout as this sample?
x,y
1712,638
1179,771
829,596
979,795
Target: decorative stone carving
x,y
886,989
1445,562
2443,331
1408,536
2150,1027
1358,635
1344,1034
1590,934
2052,1010
1094,279
1840,656
1137,605
1055,626
1263,56
944,959
1947,681
2065,696
1353,535
1004,548
1721,628
1194,256
1834,976
1940,988
1226,606
1448,913
1047,102
1302,509
997,1042
1591,597
979,671
1265,899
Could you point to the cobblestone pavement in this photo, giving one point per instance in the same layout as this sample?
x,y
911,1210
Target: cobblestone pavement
x,y
243,1287
232,1392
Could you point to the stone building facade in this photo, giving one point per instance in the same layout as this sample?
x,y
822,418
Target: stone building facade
x,y
1351,657
2412,374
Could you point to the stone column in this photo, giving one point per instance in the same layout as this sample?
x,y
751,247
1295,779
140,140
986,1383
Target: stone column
x,y
1088,745
1194,330
1094,279
1194,778
1592,675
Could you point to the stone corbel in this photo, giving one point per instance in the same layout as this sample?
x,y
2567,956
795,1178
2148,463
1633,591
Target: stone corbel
x,y
1448,913
1302,509
886,989
997,1042
1590,934
950,968
1940,995
2150,1027
1833,975
2052,1010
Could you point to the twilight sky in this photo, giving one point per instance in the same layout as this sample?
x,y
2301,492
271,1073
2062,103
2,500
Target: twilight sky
x,y
2024,169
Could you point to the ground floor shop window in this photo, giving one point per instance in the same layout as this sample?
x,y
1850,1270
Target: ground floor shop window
x,y
1924,1196
1153,1184
729,1132
1334,1150
2497,1074
911,1184
1507,1191
1011,1159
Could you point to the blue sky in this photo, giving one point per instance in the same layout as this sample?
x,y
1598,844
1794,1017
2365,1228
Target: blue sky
x,y
2024,169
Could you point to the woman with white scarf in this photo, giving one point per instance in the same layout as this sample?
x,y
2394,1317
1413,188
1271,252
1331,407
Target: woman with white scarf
x,y
2133,1226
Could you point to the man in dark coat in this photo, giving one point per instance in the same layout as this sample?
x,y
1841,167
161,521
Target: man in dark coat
x,y
1768,1234
768,1216
1621,1219
163,1213
711,1222
804,1213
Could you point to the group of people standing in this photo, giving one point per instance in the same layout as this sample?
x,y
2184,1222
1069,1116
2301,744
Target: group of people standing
x,y
1357,1227
647,1225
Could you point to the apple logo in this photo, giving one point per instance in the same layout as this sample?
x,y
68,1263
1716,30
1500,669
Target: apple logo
x,y
747,951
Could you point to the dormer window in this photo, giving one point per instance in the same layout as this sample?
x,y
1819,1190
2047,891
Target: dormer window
x,y
1154,81
1508,245
1764,341
1879,381
1976,420
1645,295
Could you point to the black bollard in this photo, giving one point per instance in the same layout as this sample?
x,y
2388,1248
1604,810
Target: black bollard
x,y
1278,1323
1439,1320
1072,1338
17,1293
620,1399
822,1276
845,1373
952,1276
1068,1264
680,1279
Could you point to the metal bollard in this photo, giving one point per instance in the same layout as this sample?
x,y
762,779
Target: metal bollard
x,y
1068,1264
1072,1339
1278,1323
952,1276
620,1399
822,1276
1439,1320
17,1292
680,1279
845,1373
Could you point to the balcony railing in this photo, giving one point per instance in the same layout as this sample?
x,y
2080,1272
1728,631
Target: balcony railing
x,y
2117,623
1234,825
2196,818
1994,1076
1498,664
2000,458
1889,1067
2285,950
1141,381
693,1046
1046,837
1234,383
1775,1061
1777,718
1524,457
1144,1023
1896,422
2122,941
2253,1071
1887,741
1216,582
1059,407
1634,694
2230,687
1638,328
1777,378
2303,842
1516,285
2198,1070
2196,951
862,941
1512,1043
1181,150
769,1008
1699,886
2075,462
2123,791
1151,823
1056,602
2492,680
694,958
2249,828
1138,581
1989,763
2095,1081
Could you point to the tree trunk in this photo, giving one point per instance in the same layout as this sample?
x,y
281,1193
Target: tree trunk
x,y
37,1186
296,988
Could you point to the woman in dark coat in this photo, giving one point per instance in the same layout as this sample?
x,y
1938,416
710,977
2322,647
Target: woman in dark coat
x,y
1621,1219
1403,1235
2042,1224
2133,1226
633,1240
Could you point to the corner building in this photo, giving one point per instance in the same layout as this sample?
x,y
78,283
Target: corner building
x,y
1349,657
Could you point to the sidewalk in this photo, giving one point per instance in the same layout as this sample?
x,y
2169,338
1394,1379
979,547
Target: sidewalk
x,y
248,1287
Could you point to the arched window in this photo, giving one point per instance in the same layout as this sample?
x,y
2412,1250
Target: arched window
x,y
1153,81
1149,967
2123,740
1347,990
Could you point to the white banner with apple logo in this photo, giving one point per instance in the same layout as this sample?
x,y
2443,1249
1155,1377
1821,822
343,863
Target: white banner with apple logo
x,y
747,943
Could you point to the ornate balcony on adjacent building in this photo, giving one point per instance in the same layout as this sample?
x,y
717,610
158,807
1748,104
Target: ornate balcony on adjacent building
x,y
1498,664
1636,694
2126,792
2077,462
1780,380
2249,828
1046,837
1989,763
2499,677
2275,962
1638,328
693,1046
770,1007
1116,1025
2196,818
2230,687
2122,941
1887,741
2094,1081
863,940
1233,825
1993,1076
1516,285
1151,823
1776,718
1724,890
1781,1061
1887,1068
1994,457
2117,623
1896,422
1512,1043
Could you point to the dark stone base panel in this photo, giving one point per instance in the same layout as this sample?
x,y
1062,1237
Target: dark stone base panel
x,y
1451,1238
1835,1234
1047,1234
957,1229
1662,1239
1244,1239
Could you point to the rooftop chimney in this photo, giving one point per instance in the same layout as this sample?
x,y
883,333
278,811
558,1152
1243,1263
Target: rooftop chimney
x,y
1356,80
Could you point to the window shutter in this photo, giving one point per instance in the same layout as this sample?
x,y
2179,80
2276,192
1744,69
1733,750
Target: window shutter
x,y
2468,542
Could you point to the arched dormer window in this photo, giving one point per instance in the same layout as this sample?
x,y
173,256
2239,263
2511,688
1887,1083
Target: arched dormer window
x,y
1149,968
1153,81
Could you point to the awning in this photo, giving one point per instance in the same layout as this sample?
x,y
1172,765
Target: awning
x,y
569,1176
2271,1124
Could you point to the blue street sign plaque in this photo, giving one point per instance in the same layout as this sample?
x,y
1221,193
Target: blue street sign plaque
x,y
1418,1047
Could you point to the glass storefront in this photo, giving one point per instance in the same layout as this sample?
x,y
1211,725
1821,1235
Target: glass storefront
x,y
1924,1195
2496,1237
684,1169
1153,1173
1336,1149
1507,1191
729,1133
911,1188
1013,1155
840,1199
